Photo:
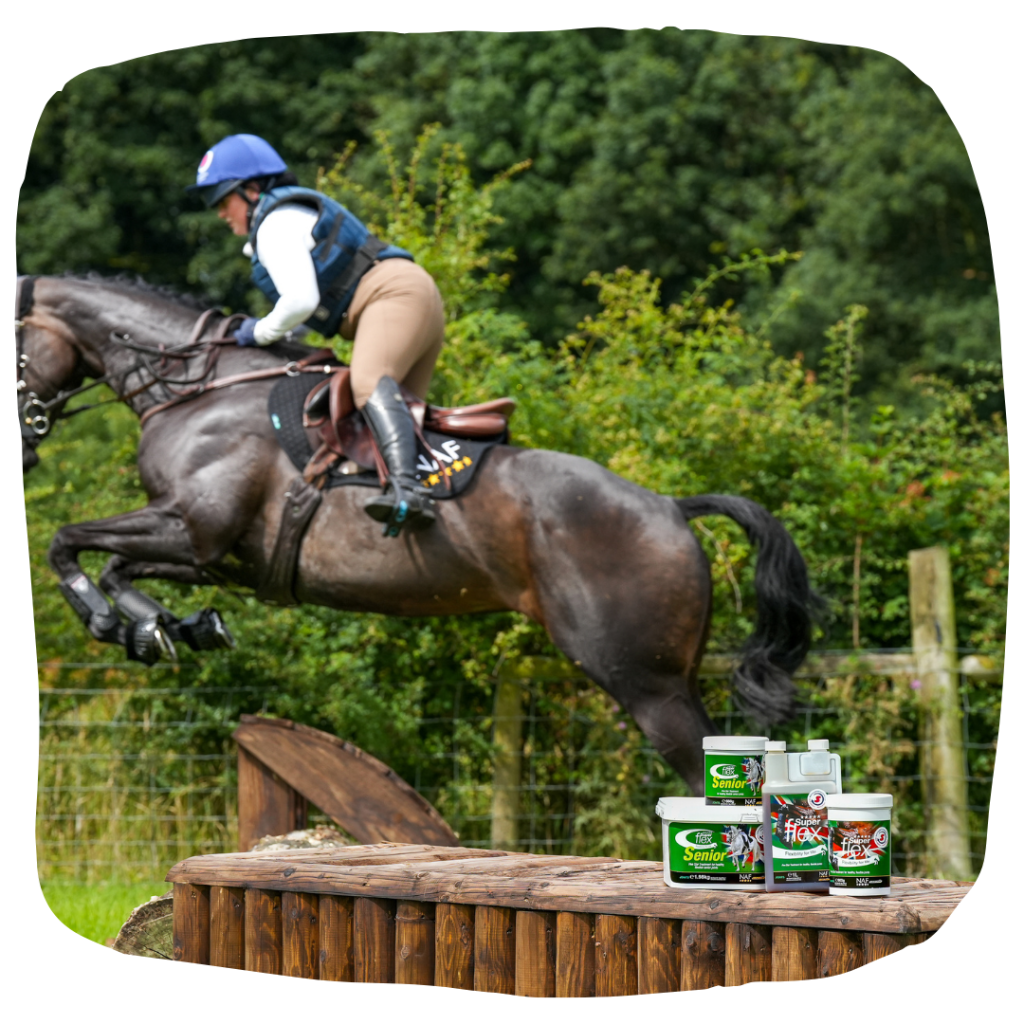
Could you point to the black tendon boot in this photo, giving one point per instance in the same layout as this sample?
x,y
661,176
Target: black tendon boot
x,y
403,499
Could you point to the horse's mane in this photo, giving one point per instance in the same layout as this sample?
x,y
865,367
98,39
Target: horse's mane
x,y
134,283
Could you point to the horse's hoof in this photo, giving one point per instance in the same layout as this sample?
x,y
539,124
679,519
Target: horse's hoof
x,y
147,641
205,631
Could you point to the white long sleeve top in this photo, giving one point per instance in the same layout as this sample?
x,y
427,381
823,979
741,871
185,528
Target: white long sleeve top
x,y
284,242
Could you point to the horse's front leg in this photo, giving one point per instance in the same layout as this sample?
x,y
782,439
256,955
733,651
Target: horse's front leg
x,y
204,630
152,534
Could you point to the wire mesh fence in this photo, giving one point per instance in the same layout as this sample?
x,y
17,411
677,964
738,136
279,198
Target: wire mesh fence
x,y
137,768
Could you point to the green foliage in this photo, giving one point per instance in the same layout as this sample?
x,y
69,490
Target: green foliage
x,y
682,398
658,150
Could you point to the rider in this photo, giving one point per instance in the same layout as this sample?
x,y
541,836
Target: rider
x,y
319,265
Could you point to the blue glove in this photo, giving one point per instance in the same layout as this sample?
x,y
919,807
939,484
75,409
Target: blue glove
x,y
244,335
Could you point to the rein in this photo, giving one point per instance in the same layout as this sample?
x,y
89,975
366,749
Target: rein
x,y
35,414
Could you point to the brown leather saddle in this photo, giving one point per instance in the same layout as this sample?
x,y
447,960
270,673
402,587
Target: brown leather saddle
x,y
345,441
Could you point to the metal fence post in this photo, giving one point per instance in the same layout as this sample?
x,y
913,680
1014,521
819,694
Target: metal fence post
x,y
508,761
933,623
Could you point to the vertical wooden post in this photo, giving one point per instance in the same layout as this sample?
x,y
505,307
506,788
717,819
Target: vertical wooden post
x,y
227,927
414,943
508,762
794,954
535,953
942,753
300,935
263,931
453,946
879,944
335,939
373,939
748,953
615,971
267,806
494,950
657,943
839,952
191,923
701,955
574,954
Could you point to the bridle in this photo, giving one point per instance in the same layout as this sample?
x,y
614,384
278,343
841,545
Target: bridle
x,y
36,417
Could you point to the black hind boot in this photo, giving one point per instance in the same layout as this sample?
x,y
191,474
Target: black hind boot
x,y
404,499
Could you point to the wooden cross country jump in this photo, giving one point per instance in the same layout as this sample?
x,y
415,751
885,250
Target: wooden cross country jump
x,y
525,924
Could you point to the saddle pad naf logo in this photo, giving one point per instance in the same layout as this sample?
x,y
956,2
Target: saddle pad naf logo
x,y
430,471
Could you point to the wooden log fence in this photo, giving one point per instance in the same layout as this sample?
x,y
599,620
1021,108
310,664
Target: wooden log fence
x,y
525,924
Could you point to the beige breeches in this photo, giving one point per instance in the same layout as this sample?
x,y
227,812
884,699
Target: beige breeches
x,y
397,322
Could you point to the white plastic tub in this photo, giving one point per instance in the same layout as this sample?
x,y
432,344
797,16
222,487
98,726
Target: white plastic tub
x,y
711,847
859,843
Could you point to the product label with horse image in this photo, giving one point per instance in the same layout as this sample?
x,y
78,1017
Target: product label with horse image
x,y
704,854
733,780
799,837
858,854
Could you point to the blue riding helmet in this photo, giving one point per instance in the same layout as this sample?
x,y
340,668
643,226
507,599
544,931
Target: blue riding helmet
x,y
234,160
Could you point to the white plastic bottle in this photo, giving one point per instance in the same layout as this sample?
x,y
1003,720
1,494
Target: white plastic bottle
x,y
796,786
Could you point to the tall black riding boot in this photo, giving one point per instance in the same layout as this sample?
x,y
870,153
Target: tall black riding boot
x,y
404,499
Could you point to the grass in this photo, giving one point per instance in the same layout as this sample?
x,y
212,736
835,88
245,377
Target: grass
x,y
97,910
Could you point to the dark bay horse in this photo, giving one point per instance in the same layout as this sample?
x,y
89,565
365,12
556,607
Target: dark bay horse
x,y
611,570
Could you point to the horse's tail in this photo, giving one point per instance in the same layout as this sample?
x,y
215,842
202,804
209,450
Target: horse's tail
x,y
786,607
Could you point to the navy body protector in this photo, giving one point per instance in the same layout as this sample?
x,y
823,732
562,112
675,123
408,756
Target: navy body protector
x,y
343,252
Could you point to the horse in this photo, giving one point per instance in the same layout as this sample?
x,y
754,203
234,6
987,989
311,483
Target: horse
x,y
611,570
741,845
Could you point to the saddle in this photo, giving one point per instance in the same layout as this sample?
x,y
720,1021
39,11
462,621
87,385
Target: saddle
x,y
344,437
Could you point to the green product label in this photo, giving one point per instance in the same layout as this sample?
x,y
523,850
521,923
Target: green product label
x,y
799,837
858,854
705,854
733,779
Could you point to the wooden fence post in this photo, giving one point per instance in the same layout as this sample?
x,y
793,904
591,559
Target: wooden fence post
x,y
933,624
508,761
267,805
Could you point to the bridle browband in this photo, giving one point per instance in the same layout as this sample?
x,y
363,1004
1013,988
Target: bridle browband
x,y
37,417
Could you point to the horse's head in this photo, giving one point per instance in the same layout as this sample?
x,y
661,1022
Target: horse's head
x,y
49,362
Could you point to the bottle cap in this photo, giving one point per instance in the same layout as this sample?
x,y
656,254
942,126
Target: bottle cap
x,y
775,745
817,744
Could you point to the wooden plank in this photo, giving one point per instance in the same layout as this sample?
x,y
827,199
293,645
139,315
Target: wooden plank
x,y
227,927
658,941
300,935
701,955
574,954
453,946
748,953
794,954
191,923
335,939
508,757
875,945
363,795
414,943
494,950
628,888
839,952
373,939
377,853
615,970
263,931
267,805
535,953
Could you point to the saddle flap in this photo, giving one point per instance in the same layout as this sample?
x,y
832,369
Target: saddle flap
x,y
317,406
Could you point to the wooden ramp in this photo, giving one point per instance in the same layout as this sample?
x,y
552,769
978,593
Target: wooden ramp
x,y
283,765
525,924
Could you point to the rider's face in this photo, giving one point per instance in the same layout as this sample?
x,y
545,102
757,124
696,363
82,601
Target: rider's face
x,y
235,211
